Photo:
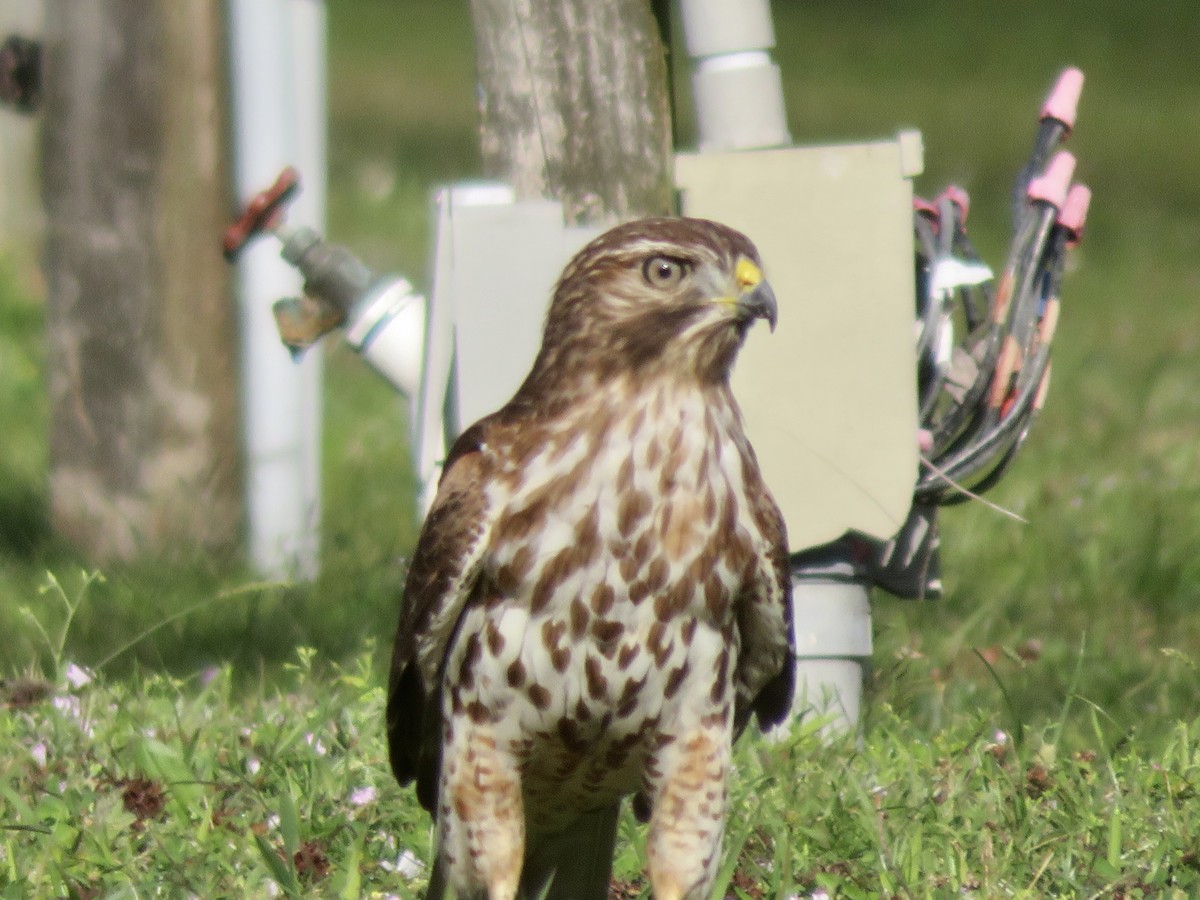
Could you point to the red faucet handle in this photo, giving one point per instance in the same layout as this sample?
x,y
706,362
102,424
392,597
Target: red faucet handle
x,y
263,213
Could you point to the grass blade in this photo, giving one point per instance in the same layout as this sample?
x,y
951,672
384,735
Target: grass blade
x,y
289,819
281,869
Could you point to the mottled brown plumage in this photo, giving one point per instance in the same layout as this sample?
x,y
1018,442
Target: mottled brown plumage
x,y
599,598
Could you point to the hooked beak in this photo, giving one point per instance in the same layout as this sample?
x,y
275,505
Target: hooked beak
x,y
759,303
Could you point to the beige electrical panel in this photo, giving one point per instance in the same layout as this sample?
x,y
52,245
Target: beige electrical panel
x,y
830,397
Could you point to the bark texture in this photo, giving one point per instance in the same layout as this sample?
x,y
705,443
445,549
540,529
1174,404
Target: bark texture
x,y
574,104
141,336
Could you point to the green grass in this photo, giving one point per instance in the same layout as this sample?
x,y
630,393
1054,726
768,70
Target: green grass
x,y
1085,615
154,785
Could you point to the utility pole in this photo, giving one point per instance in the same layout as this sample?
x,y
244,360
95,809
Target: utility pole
x,y
141,349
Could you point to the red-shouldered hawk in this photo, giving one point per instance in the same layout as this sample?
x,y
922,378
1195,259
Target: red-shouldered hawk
x,y
599,598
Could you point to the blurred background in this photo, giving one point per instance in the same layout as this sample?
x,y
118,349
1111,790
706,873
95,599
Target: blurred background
x,y
1095,594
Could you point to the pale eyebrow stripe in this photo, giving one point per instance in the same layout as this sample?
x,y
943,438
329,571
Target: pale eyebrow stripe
x,y
643,249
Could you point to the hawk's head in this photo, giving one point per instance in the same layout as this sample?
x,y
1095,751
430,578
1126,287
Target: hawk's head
x,y
664,295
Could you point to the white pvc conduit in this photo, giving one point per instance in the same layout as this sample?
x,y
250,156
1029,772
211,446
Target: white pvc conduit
x,y
737,89
278,76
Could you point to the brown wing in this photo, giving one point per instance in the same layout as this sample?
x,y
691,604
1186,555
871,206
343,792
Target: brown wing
x,y
766,664
442,573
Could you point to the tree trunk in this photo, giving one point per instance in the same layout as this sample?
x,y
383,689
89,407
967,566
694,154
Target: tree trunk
x,y
141,338
574,104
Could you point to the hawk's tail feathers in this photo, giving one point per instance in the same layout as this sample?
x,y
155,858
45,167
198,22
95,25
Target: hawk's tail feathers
x,y
576,863
774,701
414,745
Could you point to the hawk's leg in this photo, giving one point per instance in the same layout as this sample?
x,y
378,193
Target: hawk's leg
x,y
688,793
481,817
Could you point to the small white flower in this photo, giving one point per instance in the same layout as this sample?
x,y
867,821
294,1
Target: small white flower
x,y
66,703
408,866
78,676
1000,737
818,894
253,765
273,821
38,752
315,742
362,796
272,889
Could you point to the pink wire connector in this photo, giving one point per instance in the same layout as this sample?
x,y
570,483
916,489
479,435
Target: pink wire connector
x,y
932,208
1074,213
1063,102
958,197
1051,186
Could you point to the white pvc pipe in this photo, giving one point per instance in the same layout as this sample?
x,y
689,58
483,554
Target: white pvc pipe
x,y
738,90
738,93
832,628
387,327
277,60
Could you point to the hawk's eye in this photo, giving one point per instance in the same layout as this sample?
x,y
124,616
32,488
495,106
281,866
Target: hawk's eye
x,y
664,271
